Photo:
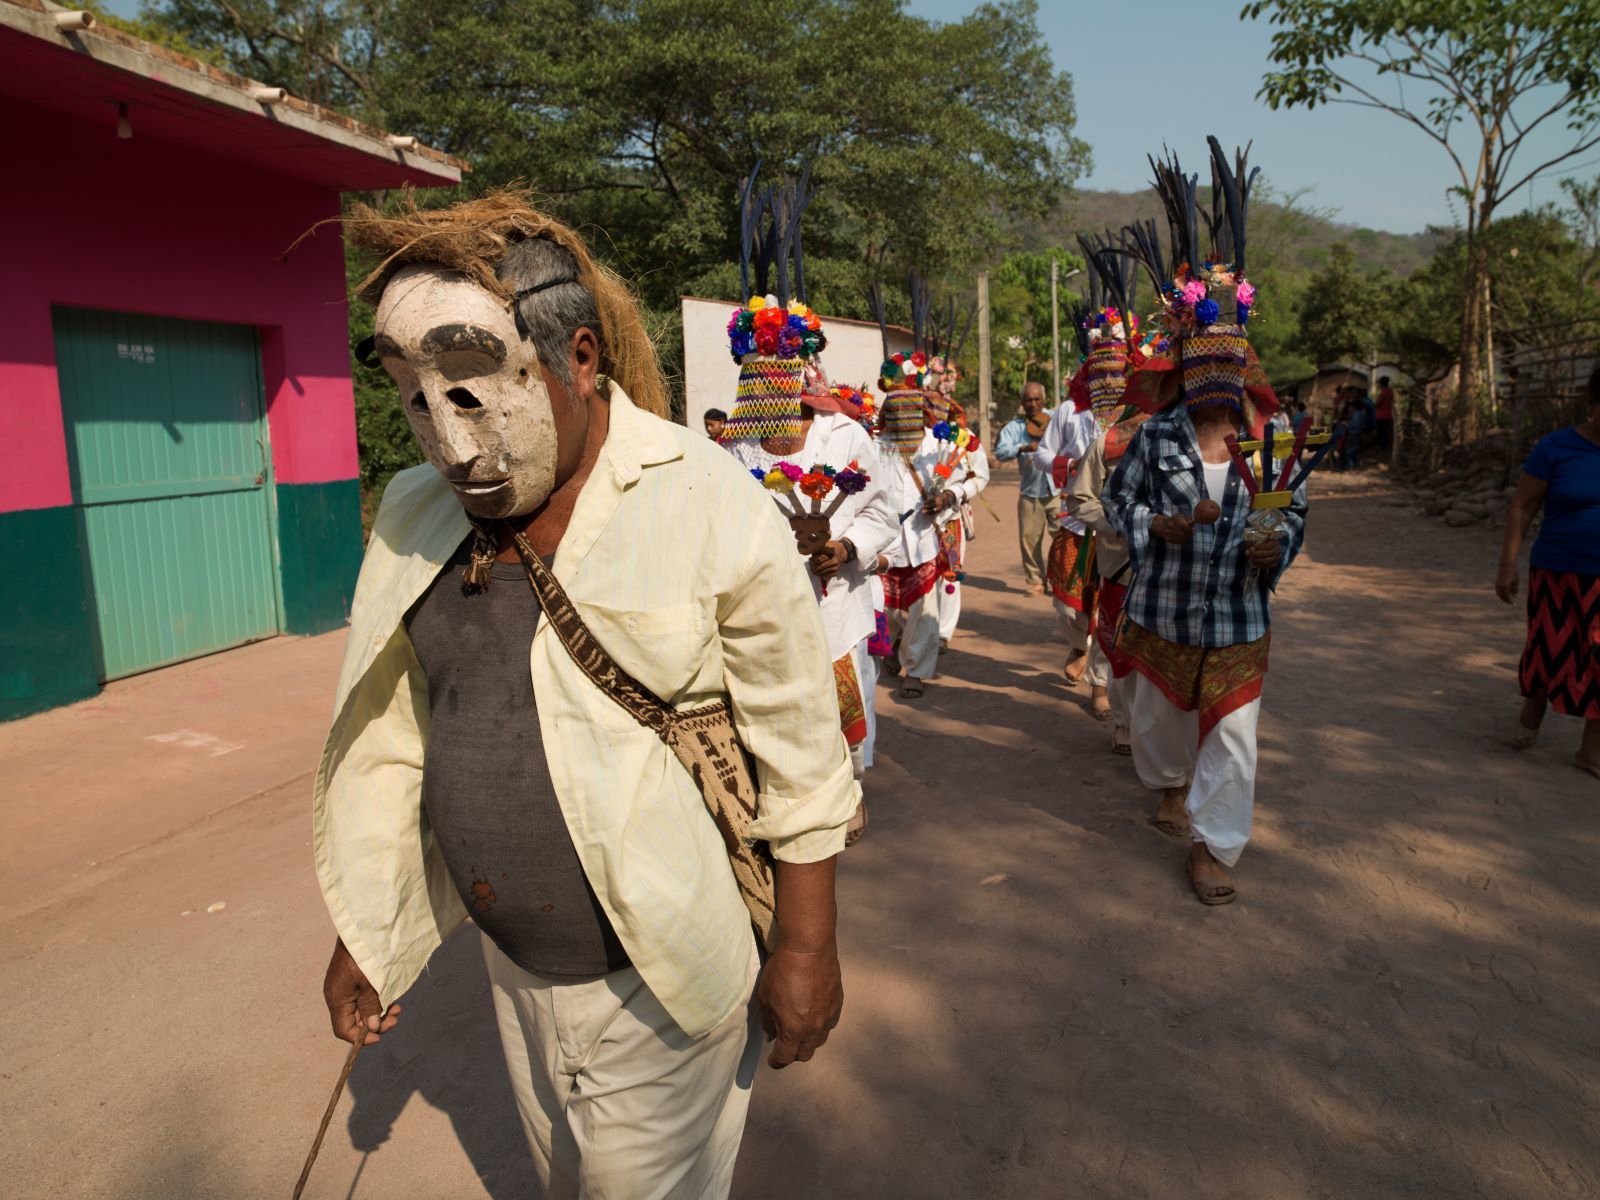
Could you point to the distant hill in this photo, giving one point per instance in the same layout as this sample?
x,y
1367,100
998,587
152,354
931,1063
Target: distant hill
x,y
1300,238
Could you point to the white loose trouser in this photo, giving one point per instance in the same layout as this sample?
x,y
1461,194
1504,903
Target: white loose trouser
x,y
1098,670
867,673
949,593
1120,693
1221,772
618,1102
1073,625
917,629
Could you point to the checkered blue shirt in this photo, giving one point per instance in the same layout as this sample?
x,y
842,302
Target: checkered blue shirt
x,y
1199,593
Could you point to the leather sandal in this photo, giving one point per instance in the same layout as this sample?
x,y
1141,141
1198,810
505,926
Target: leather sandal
x,y
1209,893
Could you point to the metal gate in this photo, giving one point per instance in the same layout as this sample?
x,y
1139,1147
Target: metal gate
x,y
171,478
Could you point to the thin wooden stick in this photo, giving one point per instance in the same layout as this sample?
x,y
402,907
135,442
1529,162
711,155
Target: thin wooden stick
x,y
333,1103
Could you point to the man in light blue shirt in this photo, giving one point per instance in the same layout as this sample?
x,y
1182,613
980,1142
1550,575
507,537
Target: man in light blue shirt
x,y
1036,498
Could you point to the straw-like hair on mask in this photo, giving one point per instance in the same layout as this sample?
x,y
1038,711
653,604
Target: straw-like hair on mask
x,y
473,236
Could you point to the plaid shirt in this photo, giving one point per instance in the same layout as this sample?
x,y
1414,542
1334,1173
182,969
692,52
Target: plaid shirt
x,y
1199,593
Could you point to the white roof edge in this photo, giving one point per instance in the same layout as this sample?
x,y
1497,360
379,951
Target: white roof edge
x,y
127,53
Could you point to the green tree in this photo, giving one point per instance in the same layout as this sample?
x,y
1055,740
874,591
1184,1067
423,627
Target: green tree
x,y
1344,311
636,120
639,117
1019,324
1478,79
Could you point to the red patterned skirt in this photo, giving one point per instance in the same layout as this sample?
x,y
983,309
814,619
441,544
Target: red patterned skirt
x,y
1070,571
1213,680
1562,655
1108,615
852,706
904,586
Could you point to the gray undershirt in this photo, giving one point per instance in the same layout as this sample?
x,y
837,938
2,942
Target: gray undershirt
x,y
486,785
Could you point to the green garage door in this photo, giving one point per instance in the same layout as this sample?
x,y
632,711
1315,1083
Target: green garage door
x,y
168,447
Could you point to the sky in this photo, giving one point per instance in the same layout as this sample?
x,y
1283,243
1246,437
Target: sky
x,y
1373,168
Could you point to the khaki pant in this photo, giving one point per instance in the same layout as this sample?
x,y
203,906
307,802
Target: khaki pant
x,y
1035,521
619,1103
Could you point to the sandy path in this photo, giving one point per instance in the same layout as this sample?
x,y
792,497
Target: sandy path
x,y
1400,1004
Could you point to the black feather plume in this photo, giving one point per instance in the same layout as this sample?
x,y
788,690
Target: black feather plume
x,y
749,220
1142,244
1177,192
1230,203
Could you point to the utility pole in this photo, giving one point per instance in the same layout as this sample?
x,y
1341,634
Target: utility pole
x,y
984,368
1055,332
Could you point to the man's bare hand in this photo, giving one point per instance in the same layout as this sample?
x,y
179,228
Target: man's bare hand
x,y
1175,530
826,563
353,1004
800,995
1264,554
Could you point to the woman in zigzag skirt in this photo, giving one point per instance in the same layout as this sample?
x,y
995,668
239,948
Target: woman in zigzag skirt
x,y
1561,661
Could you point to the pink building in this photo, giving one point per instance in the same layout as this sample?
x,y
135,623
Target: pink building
x,y
177,436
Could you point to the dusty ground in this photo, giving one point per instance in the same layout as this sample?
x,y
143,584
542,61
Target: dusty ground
x,y
1402,1002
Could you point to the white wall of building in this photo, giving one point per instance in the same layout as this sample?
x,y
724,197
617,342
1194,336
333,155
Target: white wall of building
x,y
710,376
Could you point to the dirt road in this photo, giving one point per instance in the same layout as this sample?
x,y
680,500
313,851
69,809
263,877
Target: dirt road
x,y
1401,1003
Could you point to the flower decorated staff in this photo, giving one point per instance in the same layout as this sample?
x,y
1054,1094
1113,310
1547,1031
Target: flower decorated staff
x,y
812,527
1272,490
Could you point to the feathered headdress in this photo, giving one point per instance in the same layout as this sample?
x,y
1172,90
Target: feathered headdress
x,y
944,346
773,335
1207,297
1100,382
902,377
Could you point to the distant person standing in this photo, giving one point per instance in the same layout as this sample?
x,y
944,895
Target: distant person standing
x,y
1036,498
1384,417
715,419
1560,666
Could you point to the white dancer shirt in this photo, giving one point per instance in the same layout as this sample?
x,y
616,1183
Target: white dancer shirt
x,y
919,539
867,519
1069,435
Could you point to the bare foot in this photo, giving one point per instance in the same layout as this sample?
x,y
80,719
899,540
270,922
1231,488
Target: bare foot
x,y
1210,879
1528,722
1171,817
1077,663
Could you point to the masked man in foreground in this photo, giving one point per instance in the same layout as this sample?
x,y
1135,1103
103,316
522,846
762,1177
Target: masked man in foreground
x,y
478,766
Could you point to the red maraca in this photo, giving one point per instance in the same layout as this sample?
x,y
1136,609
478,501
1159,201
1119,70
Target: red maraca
x,y
1207,512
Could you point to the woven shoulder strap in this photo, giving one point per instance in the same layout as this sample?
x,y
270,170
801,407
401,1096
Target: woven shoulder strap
x,y
705,741
641,703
